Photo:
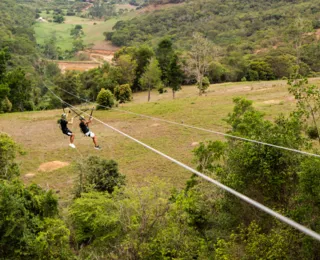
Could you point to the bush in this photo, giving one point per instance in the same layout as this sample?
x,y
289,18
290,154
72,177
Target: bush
x,y
105,99
312,132
6,105
9,169
205,85
123,93
100,175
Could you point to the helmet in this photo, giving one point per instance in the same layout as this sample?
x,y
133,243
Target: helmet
x,y
81,117
63,116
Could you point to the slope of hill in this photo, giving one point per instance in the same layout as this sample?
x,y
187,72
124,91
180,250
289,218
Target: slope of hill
x,y
224,22
17,34
246,32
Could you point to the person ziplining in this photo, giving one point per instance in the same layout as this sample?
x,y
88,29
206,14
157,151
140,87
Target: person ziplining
x,y
63,122
85,129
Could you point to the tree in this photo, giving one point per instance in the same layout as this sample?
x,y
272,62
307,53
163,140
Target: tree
x,y
98,9
174,75
164,54
204,86
105,99
58,18
4,89
8,150
296,33
123,93
77,31
126,66
200,57
70,81
50,49
20,90
78,45
308,101
29,221
152,76
100,175
142,56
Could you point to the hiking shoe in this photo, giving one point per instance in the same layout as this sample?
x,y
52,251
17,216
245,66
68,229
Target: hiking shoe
x,y
97,147
72,145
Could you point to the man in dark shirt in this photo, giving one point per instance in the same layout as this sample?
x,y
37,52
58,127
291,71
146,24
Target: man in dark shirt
x,y
85,129
63,125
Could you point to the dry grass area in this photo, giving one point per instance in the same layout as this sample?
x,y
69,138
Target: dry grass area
x,y
77,65
39,134
151,8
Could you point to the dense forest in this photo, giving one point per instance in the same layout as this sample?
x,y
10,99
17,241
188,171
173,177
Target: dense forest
x,y
247,32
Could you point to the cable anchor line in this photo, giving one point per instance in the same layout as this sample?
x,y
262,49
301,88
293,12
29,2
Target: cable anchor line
x,y
205,130
239,195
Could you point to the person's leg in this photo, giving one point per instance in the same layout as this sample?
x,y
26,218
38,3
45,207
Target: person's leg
x,y
72,138
94,139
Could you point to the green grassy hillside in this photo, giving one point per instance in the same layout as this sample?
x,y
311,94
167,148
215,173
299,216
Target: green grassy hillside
x,y
40,136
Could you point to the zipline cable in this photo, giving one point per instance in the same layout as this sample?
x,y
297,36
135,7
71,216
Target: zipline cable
x,y
206,130
254,203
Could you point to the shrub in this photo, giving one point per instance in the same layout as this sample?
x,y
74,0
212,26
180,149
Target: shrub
x,y
100,175
312,132
123,93
6,105
205,85
105,99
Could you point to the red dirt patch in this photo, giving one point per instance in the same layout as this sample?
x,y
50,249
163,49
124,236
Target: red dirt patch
x,y
51,166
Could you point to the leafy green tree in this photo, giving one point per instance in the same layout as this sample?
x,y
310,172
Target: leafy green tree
x,y
9,169
29,223
259,70
96,221
100,175
142,56
123,93
78,45
70,81
152,76
6,105
126,66
98,9
204,86
164,54
296,34
308,101
174,75
20,90
77,31
50,49
58,18
105,99
252,243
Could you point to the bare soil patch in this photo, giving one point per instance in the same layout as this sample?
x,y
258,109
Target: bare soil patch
x,y
151,8
51,166
76,65
273,102
29,175
105,45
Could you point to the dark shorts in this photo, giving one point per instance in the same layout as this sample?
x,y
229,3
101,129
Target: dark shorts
x,y
67,132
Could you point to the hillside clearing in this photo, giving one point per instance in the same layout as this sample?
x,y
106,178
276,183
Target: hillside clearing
x,y
40,136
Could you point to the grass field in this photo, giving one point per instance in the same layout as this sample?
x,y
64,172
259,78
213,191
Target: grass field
x,y
93,29
39,135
